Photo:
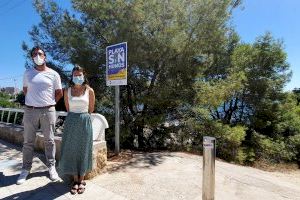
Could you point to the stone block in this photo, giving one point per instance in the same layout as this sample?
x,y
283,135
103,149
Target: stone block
x,y
14,134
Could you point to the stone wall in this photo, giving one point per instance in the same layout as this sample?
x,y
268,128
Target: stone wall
x,y
14,134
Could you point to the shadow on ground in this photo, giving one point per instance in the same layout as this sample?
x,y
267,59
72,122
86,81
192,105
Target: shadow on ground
x,y
10,180
46,192
129,159
11,160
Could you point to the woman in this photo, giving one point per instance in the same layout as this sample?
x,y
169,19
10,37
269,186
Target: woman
x,y
77,139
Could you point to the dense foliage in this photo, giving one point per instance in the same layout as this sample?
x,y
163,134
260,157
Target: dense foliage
x,y
7,101
189,75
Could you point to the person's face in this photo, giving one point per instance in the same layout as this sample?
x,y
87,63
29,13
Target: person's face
x,y
77,73
78,78
38,57
38,52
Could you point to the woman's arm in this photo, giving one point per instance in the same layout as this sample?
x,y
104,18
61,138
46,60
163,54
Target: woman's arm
x,y
91,100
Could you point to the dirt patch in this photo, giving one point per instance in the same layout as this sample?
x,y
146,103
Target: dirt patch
x,y
276,167
126,155
123,156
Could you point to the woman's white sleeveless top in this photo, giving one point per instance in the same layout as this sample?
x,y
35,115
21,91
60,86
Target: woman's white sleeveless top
x,y
79,104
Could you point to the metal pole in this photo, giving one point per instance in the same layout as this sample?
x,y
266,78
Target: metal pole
x,y
15,119
8,116
2,115
117,119
209,156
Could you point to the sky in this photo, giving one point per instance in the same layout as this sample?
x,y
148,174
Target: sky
x,y
255,18
281,18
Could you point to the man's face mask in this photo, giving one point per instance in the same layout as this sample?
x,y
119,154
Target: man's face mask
x,y
78,80
38,59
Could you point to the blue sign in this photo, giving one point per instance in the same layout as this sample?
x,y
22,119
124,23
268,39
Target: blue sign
x,y
116,64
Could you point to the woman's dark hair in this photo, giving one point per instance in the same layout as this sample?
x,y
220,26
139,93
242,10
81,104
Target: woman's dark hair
x,y
36,48
80,69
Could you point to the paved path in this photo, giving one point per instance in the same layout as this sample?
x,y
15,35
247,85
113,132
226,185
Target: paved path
x,y
148,176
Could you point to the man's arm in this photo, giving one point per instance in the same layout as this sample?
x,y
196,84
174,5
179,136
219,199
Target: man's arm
x,y
58,94
25,83
66,100
25,90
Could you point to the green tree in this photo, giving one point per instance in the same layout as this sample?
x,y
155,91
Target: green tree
x,y
20,98
267,72
250,87
244,88
296,91
166,42
5,100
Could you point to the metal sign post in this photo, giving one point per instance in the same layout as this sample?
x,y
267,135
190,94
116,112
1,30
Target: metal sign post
x,y
116,75
208,178
117,119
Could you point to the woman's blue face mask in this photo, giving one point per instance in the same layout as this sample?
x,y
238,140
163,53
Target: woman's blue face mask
x,y
78,80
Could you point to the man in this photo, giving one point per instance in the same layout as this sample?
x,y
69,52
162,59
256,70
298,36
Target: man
x,y
42,89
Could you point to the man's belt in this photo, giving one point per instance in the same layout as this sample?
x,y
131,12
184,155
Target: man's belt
x,y
32,107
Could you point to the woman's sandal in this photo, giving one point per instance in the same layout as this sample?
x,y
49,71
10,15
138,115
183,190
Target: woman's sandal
x,y
74,188
81,187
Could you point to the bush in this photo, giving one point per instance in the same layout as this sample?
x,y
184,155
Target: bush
x,y
228,139
6,104
274,150
294,146
245,155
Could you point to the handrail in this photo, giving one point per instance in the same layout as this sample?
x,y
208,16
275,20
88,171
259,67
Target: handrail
x,y
99,122
16,111
10,110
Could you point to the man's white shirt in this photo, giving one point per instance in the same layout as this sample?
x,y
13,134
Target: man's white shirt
x,y
41,86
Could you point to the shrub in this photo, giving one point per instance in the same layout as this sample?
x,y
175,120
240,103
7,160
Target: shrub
x,y
229,141
294,146
274,150
6,104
